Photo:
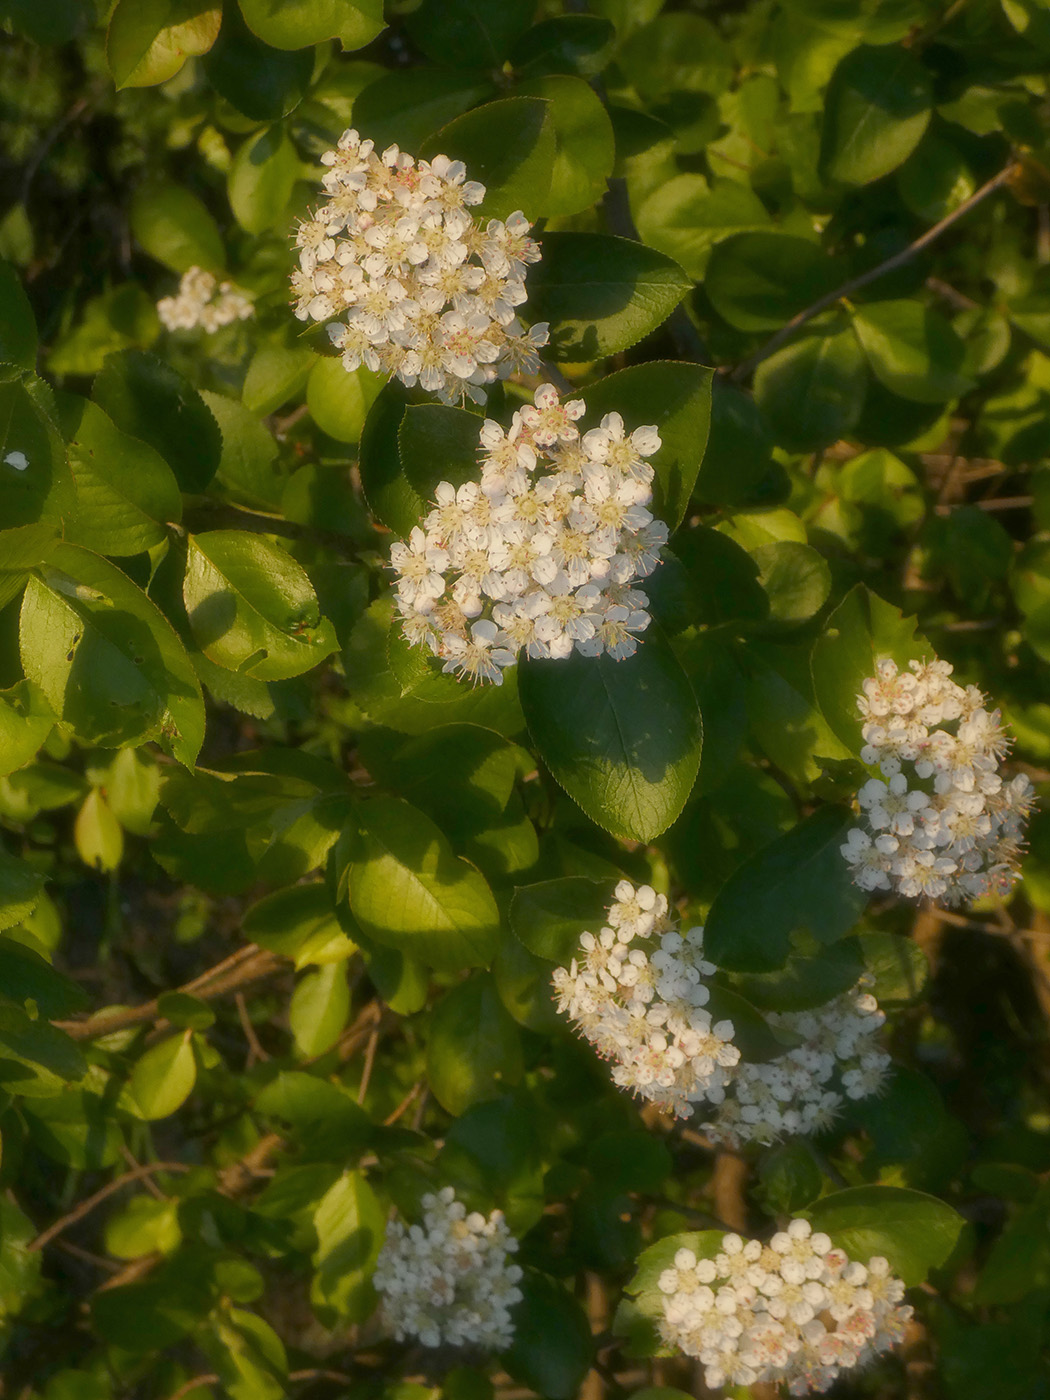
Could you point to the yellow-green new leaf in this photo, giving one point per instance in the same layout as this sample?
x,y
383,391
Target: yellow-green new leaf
x,y
148,41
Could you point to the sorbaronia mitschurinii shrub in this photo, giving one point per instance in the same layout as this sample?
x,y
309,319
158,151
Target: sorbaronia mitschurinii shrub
x,y
942,821
543,552
410,283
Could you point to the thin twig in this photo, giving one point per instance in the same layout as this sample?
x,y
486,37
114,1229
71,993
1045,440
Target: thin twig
x,y
248,965
854,284
405,1103
255,1049
194,1383
366,1069
85,1207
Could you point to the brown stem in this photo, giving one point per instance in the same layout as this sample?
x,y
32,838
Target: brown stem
x,y
194,1383
78,1212
248,965
785,333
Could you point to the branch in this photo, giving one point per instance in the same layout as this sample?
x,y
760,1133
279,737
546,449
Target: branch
x,y
854,285
247,965
85,1207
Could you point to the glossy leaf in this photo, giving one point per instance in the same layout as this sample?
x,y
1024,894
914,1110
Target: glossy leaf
x,y
584,144
912,350
473,1046
409,891
799,881
915,1232
550,916
758,281
173,226
601,294
252,608
812,393
349,1223
878,105
509,146
262,178
622,737
106,658
163,1078
292,24
676,397
148,41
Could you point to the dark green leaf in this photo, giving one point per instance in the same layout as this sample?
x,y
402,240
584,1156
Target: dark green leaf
x,y
622,737
800,881
17,323
877,107
812,393
552,1347
148,399
437,443
676,397
915,1232
584,146
467,33
601,294
758,281
509,146
549,916
473,1046
912,350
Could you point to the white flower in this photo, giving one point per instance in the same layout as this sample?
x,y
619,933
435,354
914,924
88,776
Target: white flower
x,y
530,548
941,824
433,294
199,302
449,1282
796,1312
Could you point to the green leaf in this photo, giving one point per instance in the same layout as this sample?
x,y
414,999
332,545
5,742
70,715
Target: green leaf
x,y
877,106
550,916
678,52
623,738
185,1011
862,631
300,923
685,217
35,480
339,400
252,608
319,1009
912,350
126,492
293,24
788,1178
350,1225
800,881
18,339
148,399
248,473
601,294
584,145
408,890
144,1226
552,1348
897,968
324,1112
1020,1258
407,106
20,888
140,1317
469,33
25,722
758,281
390,497
509,146
163,1078
276,374
676,397
473,1046
249,1356
806,980
97,834
262,178
262,82
106,658
173,226
935,179
148,41
795,577
19,1266
915,1232
580,44
26,976
812,393
437,443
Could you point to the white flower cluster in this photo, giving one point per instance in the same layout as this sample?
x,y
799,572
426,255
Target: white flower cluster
x,y
795,1311
542,553
429,294
941,822
637,992
644,1007
448,1281
802,1091
202,301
